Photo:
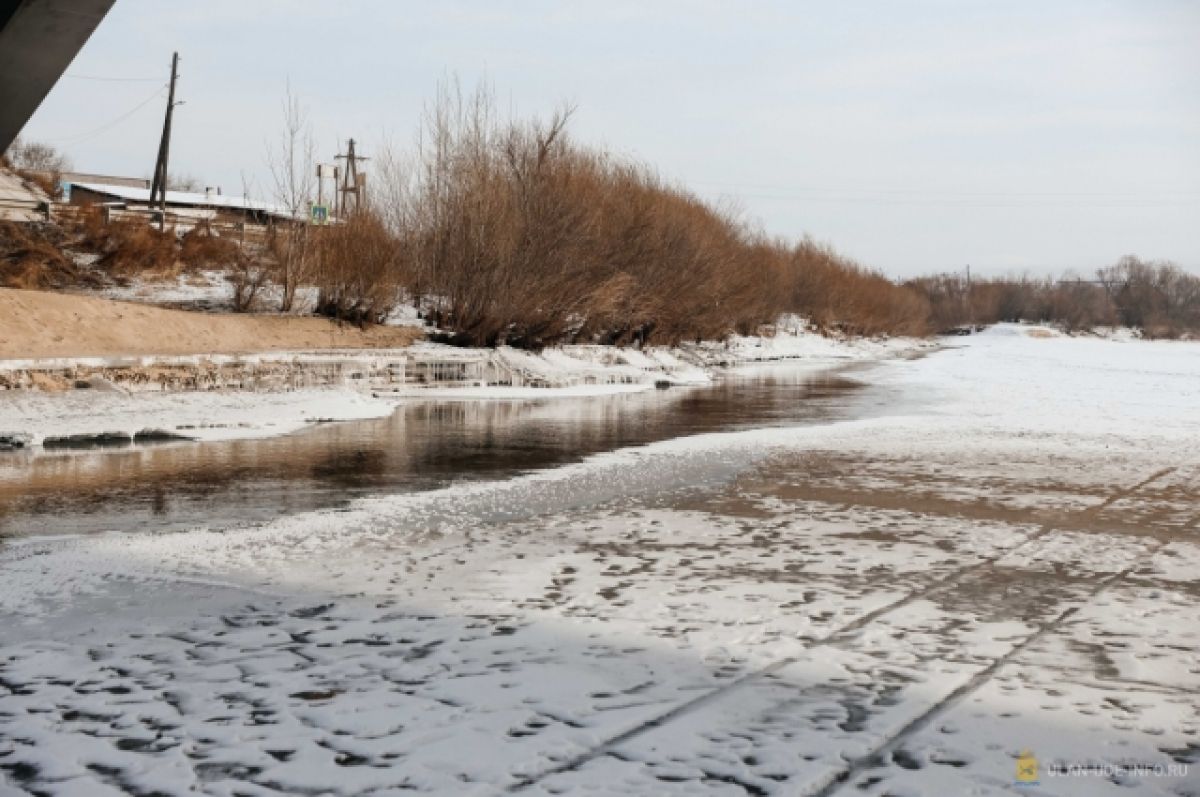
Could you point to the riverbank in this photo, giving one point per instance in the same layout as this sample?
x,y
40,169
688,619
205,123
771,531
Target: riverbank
x,y
129,392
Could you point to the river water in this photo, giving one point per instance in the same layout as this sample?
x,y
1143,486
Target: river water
x,y
423,445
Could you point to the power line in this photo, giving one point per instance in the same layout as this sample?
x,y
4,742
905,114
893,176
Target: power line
x,y
75,139
969,201
114,79
1139,202
903,194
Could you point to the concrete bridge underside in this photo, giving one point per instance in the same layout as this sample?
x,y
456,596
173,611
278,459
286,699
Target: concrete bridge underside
x,y
38,41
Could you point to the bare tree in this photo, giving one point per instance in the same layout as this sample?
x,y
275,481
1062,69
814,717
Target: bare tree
x,y
249,273
184,182
42,163
293,171
36,156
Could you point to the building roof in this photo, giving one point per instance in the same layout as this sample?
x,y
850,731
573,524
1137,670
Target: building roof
x,y
195,199
102,179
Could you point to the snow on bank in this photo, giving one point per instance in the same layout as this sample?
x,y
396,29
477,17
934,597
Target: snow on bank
x,y
211,415
206,289
795,340
31,416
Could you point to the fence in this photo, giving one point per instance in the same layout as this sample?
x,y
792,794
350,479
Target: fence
x,y
246,232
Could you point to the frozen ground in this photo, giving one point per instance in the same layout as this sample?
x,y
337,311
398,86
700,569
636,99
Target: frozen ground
x,y
204,290
893,606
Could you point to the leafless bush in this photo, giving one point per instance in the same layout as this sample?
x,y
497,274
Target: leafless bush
x,y
358,270
836,293
249,275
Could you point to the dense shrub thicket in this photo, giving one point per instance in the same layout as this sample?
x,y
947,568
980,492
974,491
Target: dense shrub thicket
x,y
1158,298
512,233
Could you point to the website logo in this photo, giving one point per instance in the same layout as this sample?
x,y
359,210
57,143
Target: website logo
x,y
1027,769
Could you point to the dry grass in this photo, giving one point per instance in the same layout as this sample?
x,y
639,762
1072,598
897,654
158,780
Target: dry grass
x,y
34,256
31,256
132,247
201,248
127,247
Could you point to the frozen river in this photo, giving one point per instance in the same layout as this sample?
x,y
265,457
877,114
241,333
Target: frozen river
x,y
958,574
423,445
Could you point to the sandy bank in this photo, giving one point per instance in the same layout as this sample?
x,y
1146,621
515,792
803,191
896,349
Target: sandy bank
x,y
37,324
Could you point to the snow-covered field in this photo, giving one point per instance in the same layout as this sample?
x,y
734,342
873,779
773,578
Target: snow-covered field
x,y
899,605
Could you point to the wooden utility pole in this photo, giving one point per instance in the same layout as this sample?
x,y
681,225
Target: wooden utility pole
x,y
353,182
158,186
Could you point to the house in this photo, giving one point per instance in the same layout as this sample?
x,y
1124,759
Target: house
x,y
183,208
64,178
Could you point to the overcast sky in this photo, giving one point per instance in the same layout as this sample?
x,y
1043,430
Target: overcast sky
x,y
914,137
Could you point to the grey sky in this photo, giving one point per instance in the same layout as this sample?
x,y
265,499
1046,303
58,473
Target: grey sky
x,y
913,136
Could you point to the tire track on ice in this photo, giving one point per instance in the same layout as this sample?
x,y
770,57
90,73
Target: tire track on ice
x,y
848,631
855,766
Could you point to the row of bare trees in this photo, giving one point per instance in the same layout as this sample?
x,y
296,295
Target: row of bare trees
x,y
510,232
1158,298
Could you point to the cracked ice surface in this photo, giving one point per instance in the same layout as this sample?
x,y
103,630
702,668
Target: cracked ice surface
x,y
895,606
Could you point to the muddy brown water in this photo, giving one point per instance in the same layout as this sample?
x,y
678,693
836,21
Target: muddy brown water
x,y
425,444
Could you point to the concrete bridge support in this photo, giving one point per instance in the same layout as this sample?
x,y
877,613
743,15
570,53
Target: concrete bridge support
x,y
38,41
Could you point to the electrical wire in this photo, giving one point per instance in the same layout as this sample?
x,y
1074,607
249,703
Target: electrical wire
x,y
114,79
919,197
967,201
853,192
158,92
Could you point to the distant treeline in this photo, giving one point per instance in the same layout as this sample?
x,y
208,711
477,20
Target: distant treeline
x,y
1158,298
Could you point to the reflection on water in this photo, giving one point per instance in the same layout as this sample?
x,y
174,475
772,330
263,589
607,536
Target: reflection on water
x,y
423,445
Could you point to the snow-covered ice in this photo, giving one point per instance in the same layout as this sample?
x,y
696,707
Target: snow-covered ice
x,y
898,605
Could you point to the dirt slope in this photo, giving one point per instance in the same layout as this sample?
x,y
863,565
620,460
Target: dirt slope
x,y
40,324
